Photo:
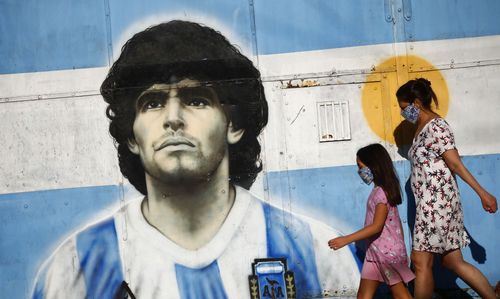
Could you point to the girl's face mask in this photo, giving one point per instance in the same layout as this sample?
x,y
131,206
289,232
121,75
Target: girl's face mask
x,y
366,175
410,113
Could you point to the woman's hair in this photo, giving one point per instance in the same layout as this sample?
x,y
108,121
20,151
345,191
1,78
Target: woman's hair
x,y
375,157
168,53
419,88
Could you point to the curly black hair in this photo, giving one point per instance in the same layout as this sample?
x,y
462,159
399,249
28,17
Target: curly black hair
x,y
173,51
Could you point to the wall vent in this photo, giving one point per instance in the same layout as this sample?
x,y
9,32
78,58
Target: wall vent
x,y
333,121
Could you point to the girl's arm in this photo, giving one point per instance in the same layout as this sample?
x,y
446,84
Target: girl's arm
x,y
455,164
376,227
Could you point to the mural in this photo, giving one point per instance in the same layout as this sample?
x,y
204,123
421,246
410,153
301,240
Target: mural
x,y
257,113
185,110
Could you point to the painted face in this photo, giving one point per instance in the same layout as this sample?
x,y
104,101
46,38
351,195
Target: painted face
x,y
181,132
364,172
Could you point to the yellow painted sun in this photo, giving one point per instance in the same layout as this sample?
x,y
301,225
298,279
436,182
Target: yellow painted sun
x,y
379,102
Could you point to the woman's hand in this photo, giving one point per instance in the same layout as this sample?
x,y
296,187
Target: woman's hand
x,y
338,243
489,202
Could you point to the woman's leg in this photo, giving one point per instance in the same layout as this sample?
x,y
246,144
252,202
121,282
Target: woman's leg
x,y
454,261
367,288
399,291
424,282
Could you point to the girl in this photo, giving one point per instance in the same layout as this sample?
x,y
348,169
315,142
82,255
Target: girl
x,y
386,259
439,220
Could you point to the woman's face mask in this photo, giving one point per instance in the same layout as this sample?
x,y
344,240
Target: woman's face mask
x,y
410,113
366,175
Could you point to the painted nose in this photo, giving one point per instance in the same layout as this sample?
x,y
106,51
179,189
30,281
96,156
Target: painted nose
x,y
173,114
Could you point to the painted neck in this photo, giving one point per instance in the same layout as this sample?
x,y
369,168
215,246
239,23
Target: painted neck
x,y
191,213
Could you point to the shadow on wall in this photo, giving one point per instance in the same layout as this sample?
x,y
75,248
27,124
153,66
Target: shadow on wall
x,y
445,281
403,135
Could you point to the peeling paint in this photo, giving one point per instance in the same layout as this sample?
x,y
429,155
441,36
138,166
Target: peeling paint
x,y
300,83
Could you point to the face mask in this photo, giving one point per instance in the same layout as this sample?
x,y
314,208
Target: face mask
x,y
410,113
366,175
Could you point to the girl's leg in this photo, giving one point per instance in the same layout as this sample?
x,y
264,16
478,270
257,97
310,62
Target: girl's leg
x,y
454,261
367,288
399,291
424,282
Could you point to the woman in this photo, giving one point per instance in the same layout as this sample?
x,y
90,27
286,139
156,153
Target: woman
x,y
439,227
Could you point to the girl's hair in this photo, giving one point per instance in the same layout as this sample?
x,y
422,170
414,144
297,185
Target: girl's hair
x,y
375,157
419,88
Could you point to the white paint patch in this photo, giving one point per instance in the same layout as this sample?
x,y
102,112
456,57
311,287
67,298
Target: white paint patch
x,y
451,53
291,137
331,61
441,53
474,108
46,85
53,144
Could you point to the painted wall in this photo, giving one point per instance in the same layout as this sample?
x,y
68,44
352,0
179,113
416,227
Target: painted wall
x,y
59,167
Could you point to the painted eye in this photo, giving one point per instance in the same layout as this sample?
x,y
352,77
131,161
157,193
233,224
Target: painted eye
x,y
198,102
151,101
153,104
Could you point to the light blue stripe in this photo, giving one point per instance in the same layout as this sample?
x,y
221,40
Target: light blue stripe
x,y
441,19
61,34
358,254
51,35
200,283
34,223
284,27
100,262
289,237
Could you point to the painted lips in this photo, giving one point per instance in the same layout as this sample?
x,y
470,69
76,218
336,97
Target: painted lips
x,y
176,143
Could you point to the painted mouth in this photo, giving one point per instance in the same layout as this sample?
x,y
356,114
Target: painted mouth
x,y
175,142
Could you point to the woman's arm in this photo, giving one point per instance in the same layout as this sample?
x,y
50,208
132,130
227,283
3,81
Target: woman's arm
x,y
376,227
455,164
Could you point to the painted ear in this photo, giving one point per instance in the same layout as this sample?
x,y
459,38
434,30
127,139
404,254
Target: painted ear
x,y
132,146
233,136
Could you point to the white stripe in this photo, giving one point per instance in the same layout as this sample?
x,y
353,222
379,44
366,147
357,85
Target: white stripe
x,y
453,53
291,137
339,261
47,85
362,59
64,142
56,144
248,244
64,279
138,254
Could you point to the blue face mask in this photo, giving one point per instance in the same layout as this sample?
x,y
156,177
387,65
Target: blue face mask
x,y
366,175
410,113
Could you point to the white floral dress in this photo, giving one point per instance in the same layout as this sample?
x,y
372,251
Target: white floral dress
x,y
439,225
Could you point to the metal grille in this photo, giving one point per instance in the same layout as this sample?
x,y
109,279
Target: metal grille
x,y
333,121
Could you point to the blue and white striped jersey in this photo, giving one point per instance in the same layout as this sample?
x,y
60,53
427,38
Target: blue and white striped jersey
x,y
93,262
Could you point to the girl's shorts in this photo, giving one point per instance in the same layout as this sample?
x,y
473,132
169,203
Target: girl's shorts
x,y
388,273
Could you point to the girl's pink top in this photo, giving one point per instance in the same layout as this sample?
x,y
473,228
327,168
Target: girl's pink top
x,y
388,246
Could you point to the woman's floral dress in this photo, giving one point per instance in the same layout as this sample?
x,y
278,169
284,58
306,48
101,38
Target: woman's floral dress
x,y
439,225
